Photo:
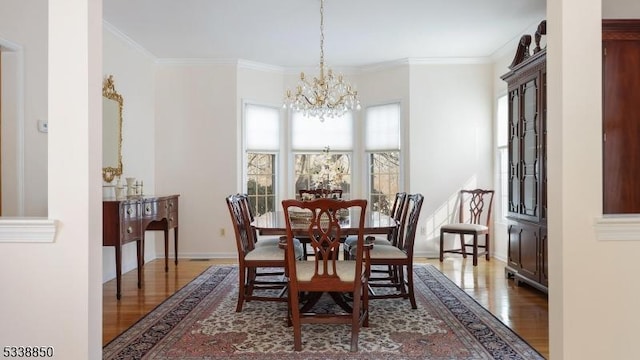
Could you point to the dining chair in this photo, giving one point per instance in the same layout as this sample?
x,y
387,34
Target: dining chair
x,y
320,220
392,237
258,240
399,256
320,193
471,222
252,257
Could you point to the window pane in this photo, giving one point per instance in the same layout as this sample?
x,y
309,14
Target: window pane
x,y
260,182
262,128
323,170
502,116
311,134
384,172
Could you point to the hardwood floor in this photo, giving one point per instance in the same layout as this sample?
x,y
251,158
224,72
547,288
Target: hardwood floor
x,y
523,308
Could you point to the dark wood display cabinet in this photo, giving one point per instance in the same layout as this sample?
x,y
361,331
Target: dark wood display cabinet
x,y
527,206
621,116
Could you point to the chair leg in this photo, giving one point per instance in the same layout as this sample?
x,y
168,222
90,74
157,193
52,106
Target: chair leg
x,y
463,247
412,296
241,288
365,304
355,317
400,279
486,244
295,319
441,246
251,279
475,250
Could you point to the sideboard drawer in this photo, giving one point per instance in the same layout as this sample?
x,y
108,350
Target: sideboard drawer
x,y
151,208
172,220
172,205
131,230
131,211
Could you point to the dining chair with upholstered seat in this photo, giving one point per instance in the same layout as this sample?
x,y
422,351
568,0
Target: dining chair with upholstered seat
x,y
252,257
258,240
320,221
476,221
399,256
392,237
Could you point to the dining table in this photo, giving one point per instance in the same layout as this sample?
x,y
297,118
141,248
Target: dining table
x,y
274,223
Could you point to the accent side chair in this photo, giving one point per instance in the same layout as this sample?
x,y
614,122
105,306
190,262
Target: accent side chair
x,y
475,224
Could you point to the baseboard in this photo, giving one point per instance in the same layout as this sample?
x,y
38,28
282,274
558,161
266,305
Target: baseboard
x,y
181,255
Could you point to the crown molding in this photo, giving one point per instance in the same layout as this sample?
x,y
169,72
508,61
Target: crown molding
x,y
195,61
253,65
122,36
451,61
509,48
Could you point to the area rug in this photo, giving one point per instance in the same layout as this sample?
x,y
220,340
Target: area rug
x,y
200,322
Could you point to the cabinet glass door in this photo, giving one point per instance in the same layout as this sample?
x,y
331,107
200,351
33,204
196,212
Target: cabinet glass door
x,y
530,171
514,151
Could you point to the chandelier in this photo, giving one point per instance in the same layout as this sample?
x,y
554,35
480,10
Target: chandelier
x,y
327,95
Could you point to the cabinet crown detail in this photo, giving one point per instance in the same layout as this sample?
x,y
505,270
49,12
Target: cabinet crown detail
x,y
523,52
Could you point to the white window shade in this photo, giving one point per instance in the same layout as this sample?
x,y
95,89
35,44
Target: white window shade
x,y
382,127
262,128
312,134
503,121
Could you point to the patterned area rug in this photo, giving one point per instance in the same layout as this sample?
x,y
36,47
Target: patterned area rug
x,y
200,322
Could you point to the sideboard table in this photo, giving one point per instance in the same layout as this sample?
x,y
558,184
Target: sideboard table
x,y
126,220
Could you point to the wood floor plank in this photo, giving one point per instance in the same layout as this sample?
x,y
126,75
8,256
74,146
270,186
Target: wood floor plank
x,y
522,308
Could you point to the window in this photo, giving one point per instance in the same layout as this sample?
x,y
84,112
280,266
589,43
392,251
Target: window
x,y
502,142
382,144
362,158
261,143
322,152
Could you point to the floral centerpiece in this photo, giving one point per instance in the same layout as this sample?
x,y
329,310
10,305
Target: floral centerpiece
x,y
331,172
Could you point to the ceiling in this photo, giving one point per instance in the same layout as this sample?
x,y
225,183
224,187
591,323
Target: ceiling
x,y
286,33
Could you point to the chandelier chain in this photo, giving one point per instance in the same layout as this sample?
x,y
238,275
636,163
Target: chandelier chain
x,y
321,36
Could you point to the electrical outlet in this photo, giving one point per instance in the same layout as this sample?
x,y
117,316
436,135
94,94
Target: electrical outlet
x,y
222,231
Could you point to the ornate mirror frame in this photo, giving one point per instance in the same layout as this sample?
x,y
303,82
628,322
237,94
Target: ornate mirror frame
x,y
110,171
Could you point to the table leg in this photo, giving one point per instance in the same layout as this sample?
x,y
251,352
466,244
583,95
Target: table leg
x,y
118,270
140,251
166,250
175,240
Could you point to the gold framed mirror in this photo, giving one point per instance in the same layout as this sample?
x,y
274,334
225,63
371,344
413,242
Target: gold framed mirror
x,y
111,130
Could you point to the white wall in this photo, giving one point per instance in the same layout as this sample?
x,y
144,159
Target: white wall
x,y
52,291
133,73
451,137
11,131
593,286
196,147
31,104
